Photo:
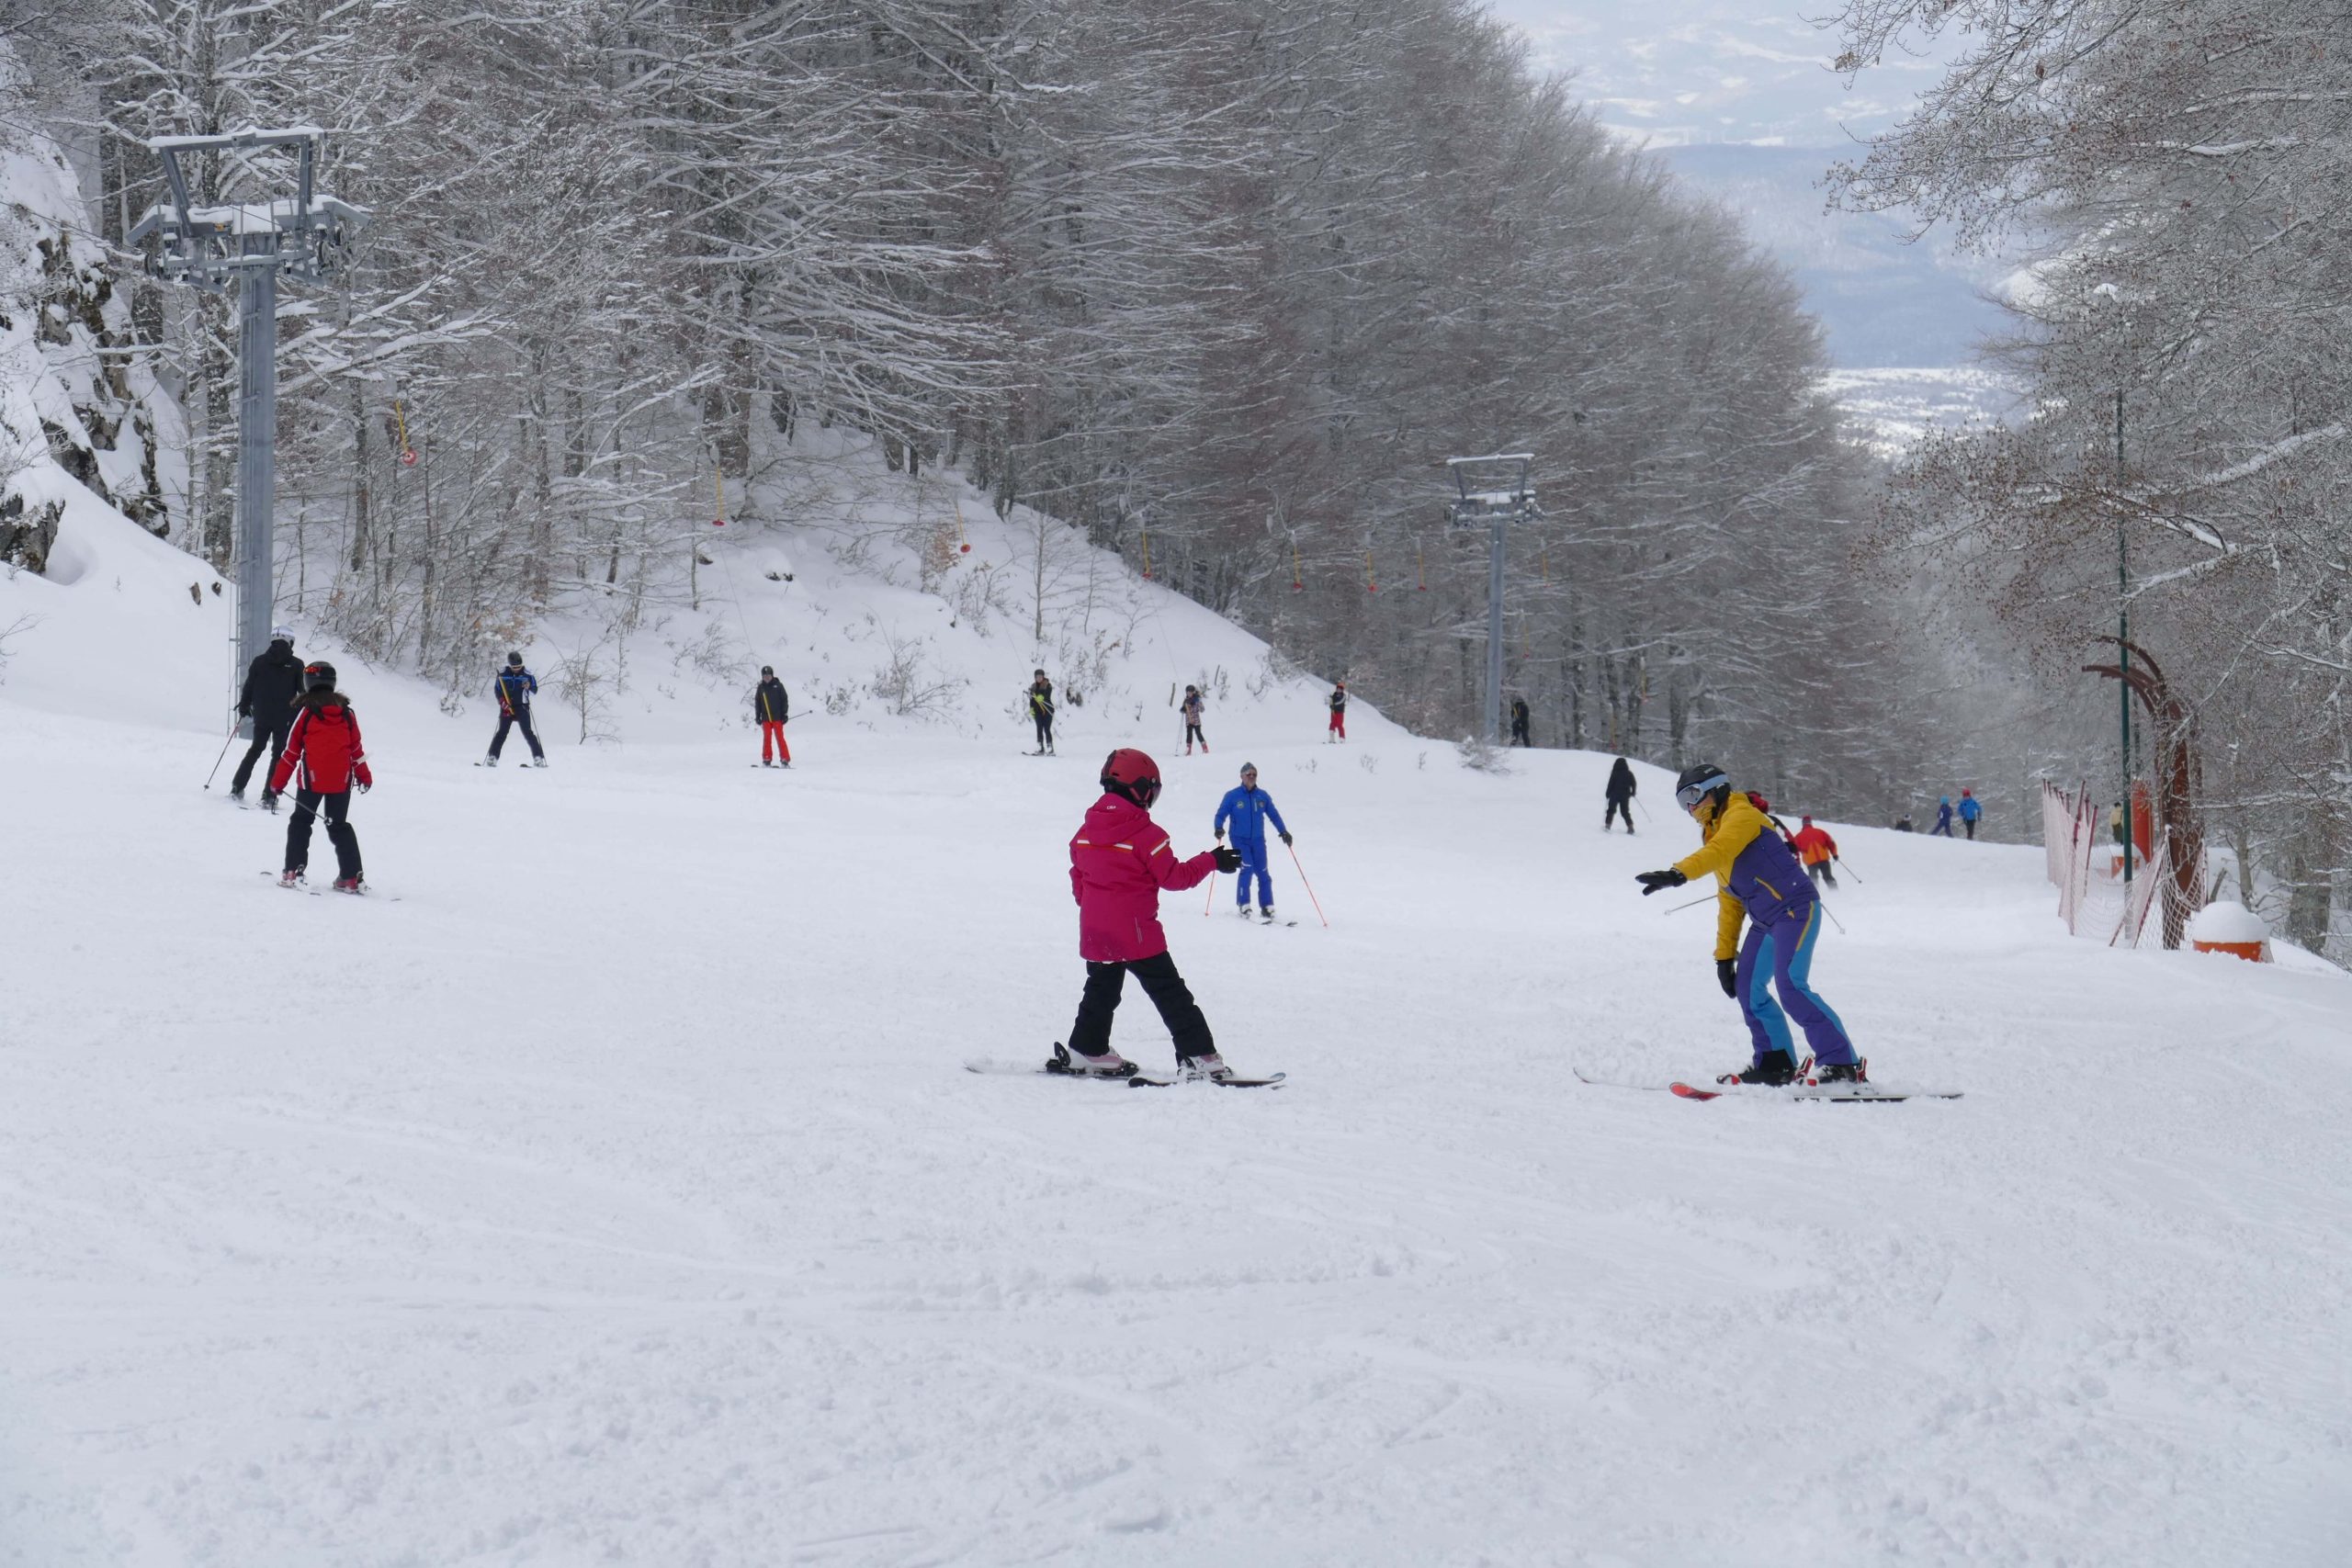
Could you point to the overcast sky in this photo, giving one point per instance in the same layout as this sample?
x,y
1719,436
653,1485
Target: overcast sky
x,y
1671,72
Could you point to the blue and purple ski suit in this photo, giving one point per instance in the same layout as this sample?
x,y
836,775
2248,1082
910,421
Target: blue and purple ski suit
x,y
1763,884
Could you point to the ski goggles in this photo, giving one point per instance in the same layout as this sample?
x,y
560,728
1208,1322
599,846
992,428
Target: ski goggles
x,y
1691,794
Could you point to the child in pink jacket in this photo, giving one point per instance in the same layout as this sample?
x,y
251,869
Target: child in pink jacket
x,y
1119,862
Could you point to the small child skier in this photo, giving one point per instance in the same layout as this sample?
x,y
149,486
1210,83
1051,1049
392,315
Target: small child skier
x,y
1248,807
1339,704
1761,881
324,745
1519,716
1041,713
1192,721
1621,790
771,708
516,685
1971,809
1119,862
1943,818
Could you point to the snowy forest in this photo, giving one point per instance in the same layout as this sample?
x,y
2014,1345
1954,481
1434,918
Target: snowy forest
x,y
1222,284
2180,175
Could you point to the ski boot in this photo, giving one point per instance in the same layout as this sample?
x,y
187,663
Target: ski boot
x,y
1210,1066
1773,1068
291,877
269,798
1077,1064
1243,911
348,885
237,795
1266,913
536,762
490,762
1855,1071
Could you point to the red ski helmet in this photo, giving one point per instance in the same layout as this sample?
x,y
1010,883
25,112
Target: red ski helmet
x,y
1130,774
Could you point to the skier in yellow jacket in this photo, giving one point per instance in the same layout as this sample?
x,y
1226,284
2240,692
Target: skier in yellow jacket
x,y
1762,885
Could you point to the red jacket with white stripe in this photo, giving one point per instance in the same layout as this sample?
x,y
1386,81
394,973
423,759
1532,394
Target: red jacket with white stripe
x,y
325,745
1118,863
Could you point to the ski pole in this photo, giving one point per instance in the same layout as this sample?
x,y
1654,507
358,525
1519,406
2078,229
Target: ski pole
x,y
1694,903
1847,869
1833,919
1310,888
224,752
1212,903
1645,812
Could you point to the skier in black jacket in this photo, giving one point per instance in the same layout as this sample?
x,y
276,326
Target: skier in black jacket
x,y
770,708
1519,716
1621,795
273,687
515,685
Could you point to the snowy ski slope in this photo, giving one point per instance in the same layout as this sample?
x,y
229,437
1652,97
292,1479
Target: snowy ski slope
x,y
616,1195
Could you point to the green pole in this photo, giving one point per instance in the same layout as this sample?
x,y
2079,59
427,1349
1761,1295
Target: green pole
x,y
2123,636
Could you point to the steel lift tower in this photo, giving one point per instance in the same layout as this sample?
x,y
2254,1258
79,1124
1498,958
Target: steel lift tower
x,y
249,246
1494,510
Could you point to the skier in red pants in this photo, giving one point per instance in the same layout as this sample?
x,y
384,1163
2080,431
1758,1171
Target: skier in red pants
x,y
1119,862
1339,704
771,708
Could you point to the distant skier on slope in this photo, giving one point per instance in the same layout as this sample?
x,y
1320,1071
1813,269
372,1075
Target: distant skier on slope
x,y
273,686
514,686
1041,713
1519,722
1119,862
1971,809
1817,851
1761,881
1943,816
771,709
1191,710
324,745
1338,702
1621,789
1248,808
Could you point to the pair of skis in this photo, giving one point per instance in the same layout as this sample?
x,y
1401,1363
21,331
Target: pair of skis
x,y
1864,1093
1058,1067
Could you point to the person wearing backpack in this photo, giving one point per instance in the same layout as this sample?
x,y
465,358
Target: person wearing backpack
x,y
515,685
324,759
770,708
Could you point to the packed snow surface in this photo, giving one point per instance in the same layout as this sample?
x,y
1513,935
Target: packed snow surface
x,y
607,1187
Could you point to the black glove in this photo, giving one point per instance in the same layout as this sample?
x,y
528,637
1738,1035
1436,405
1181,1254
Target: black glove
x,y
1286,841
1727,972
1659,881
1229,860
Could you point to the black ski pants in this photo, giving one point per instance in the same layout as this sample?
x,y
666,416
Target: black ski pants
x,y
1045,723
1193,733
309,805
1617,808
1090,1035
273,739
1519,733
508,721
1822,874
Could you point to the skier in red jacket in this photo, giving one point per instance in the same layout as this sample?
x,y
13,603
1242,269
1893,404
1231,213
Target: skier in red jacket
x,y
325,746
1119,862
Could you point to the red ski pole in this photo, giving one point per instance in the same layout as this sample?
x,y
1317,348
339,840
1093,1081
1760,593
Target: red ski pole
x,y
1309,887
1212,901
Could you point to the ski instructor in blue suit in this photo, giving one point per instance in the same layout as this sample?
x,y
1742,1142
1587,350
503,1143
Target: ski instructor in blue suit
x,y
1248,808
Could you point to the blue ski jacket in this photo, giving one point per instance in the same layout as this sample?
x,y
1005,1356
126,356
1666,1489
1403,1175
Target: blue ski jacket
x,y
1248,809
516,685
